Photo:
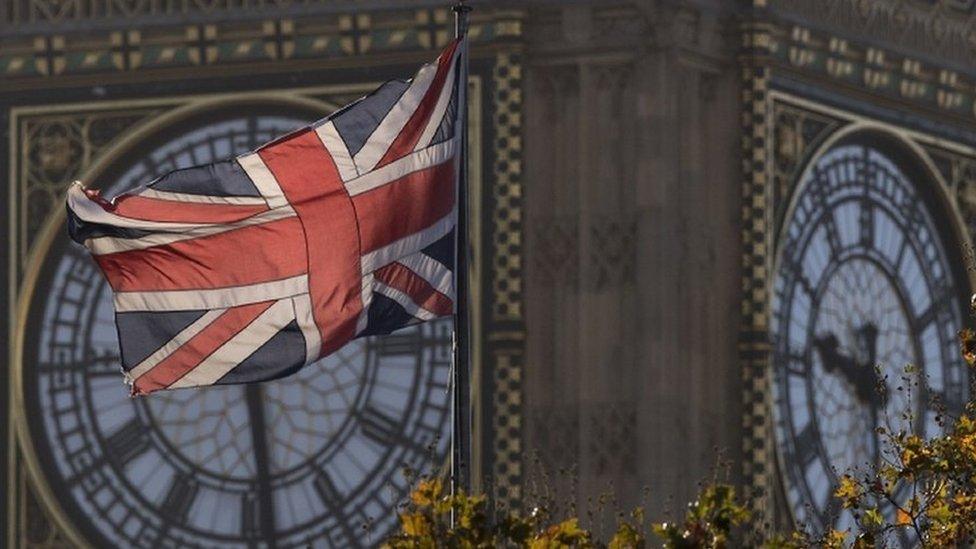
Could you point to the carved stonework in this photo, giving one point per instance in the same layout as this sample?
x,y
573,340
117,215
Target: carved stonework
x,y
900,49
617,23
39,532
611,439
554,251
56,12
967,192
56,150
612,251
259,32
572,441
796,134
554,436
959,173
630,25
944,28
59,147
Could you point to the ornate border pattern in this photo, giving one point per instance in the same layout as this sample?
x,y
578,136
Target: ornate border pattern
x,y
505,307
874,69
753,347
57,148
236,42
940,29
120,12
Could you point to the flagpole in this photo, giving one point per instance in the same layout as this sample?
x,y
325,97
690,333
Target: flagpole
x,y
460,439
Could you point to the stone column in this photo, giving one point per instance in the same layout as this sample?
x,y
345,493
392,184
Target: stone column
x,y
632,201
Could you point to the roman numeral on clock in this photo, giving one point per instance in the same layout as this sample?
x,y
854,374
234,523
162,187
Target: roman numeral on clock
x,y
327,490
806,445
379,427
866,223
180,496
332,497
250,513
398,344
128,442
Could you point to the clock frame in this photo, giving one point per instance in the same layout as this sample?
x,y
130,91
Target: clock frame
x,y
855,219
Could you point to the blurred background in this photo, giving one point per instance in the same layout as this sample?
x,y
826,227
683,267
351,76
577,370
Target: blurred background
x,y
697,225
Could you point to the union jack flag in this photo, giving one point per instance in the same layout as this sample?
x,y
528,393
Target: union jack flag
x,y
247,269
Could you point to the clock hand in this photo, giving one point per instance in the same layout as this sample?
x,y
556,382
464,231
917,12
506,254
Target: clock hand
x,y
832,358
867,338
862,377
867,379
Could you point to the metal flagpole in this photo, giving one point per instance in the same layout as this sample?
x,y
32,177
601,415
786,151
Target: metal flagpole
x,y
460,443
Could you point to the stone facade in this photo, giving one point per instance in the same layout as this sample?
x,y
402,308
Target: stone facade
x,y
638,160
633,245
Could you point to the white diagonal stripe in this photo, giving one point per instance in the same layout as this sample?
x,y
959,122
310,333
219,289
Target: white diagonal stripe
x,y
172,345
191,300
337,149
202,198
404,300
90,211
239,347
436,274
415,161
302,304
387,130
109,245
263,179
367,299
447,92
407,245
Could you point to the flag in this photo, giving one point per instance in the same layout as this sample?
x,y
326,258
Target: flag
x,y
247,269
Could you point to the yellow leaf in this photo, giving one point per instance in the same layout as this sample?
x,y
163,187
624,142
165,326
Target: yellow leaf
x,y
835,539
849,492
872,517
414,524
427,492
967,344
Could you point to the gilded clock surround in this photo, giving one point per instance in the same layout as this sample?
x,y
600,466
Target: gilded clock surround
x,y
787,154
860,134
805,83
78,141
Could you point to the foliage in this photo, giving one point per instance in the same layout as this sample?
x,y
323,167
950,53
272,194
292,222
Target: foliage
x,y
426,523
708,522
921,488
925,488
435,518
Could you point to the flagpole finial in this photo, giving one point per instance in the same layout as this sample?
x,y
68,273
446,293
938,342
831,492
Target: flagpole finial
x,y
461,10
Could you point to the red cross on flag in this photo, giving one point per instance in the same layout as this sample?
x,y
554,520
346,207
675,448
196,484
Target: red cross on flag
x,y
247,269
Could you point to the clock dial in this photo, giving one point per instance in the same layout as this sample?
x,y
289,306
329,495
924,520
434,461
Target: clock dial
x,y
312,459
864,280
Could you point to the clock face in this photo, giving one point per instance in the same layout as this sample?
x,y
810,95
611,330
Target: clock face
x,y
864,279
312,459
